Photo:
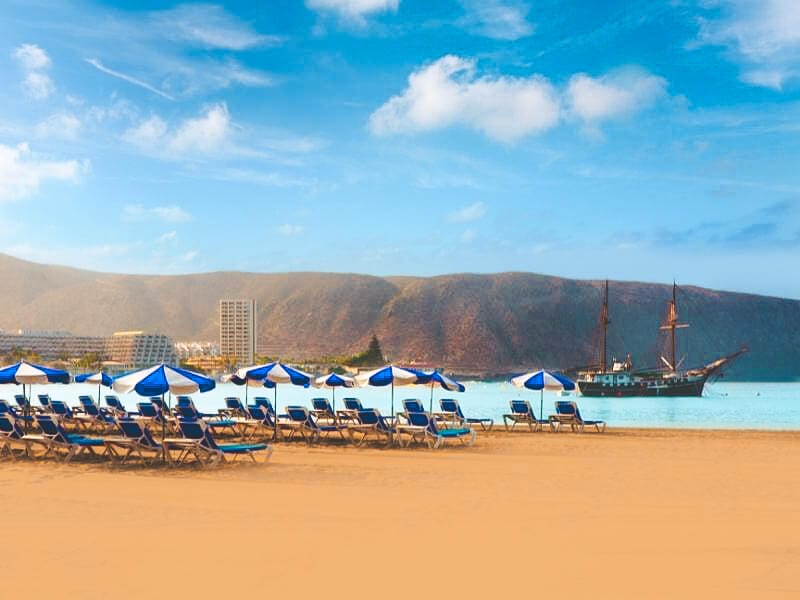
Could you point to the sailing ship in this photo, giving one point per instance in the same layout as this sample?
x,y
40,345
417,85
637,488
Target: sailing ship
x,y
619,379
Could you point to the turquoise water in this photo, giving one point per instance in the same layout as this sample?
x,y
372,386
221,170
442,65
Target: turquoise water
x,y
724,405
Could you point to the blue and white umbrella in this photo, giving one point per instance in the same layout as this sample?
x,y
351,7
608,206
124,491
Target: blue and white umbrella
x,y
543,380
160,380
25,373
443,381
270,374
99,379
333,380
392,375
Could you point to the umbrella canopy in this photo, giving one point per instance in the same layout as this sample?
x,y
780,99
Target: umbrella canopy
x,y
451,385
543,380
27,373
333,380
276,372
391,375
161,379
100,378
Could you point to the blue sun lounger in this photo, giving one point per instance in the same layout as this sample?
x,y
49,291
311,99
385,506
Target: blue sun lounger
x,y
258,421
322,409
12,434
44,400
369,422
568,413
136,439
57,438
186,409
199,442
5,407
233,408
423,428
412,405
115,405
304,423
522,413
452,413
93,414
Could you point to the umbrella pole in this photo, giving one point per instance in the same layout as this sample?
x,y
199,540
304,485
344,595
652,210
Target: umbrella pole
x,y
163,431
26,410
333,393
391,417
541,404
431,408
275,402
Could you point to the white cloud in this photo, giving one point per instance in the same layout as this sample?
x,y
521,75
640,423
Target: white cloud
x,y
449,92
497,19
206,134
31,57
168,237
615,95
473,212
124,77
22,171
353,11
289,230
762,35
34,61
169,214
209,26
60,125
189,256
468,236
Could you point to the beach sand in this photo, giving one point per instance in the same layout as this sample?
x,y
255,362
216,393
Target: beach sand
x,y
626,514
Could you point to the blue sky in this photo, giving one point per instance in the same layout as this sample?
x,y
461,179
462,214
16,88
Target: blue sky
x,y
644,140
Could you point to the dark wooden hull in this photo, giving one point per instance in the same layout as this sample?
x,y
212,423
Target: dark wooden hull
x,y
688,388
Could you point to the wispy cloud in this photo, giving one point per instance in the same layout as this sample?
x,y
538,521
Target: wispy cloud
x,y
288,229
354,12
497,19
22,171
473,212
209,26
34,62
124,77
169,213
62,125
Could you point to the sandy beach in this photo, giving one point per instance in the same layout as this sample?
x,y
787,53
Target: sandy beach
x,y
630,513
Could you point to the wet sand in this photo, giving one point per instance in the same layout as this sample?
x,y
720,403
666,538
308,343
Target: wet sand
x,y
629,513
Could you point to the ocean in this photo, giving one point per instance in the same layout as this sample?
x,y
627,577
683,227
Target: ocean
x,y
725,405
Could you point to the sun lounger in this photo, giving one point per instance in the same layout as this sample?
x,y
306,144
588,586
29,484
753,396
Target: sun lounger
x,y
305,424
198,441
423,428
452,413
116,406
65,415
94,415
57,438
44,401
12,433
412,405
233,408
568,413
369,422
136,439
186,409
323,409
257,422
522,413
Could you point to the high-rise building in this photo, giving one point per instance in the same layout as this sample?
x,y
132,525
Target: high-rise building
x,y
137,349
237,330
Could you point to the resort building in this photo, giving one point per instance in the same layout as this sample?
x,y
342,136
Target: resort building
x,y
237,330
51,345
137,349
187,350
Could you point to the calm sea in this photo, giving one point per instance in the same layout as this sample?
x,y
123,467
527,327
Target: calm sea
x,y
725,405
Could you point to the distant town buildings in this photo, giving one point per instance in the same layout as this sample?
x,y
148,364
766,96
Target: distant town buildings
x,y
237,330
138,349
52,345
188,350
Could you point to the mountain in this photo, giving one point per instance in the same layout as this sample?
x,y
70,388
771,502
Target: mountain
x,y
469,323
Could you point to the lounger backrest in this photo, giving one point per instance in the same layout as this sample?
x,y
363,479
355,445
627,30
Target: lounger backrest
x,y
450,405
21,400
52,429
196,429
85,400
566,408
5,407
521,407
298,414
368,416
114,402
44,399
148,409
321,404
259,413
353,404
233,403
9,427
159,402
60,408
265,404
419,419
413,406
130,428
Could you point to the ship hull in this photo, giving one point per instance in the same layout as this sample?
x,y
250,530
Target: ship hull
x,y
688,389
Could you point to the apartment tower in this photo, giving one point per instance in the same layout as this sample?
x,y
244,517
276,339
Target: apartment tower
x,y
237,330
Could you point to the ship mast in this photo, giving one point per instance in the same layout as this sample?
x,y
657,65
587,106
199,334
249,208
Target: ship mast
x,y
672,324
604,322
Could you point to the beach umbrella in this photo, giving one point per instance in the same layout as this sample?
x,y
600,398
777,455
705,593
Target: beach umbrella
x,y
443,381
543,380
25,373
269,375
162,380
391,375
331,381
99,379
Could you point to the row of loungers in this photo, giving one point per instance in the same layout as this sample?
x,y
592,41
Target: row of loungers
x,y
568,415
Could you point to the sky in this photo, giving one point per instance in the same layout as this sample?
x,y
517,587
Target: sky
x,y
640,140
